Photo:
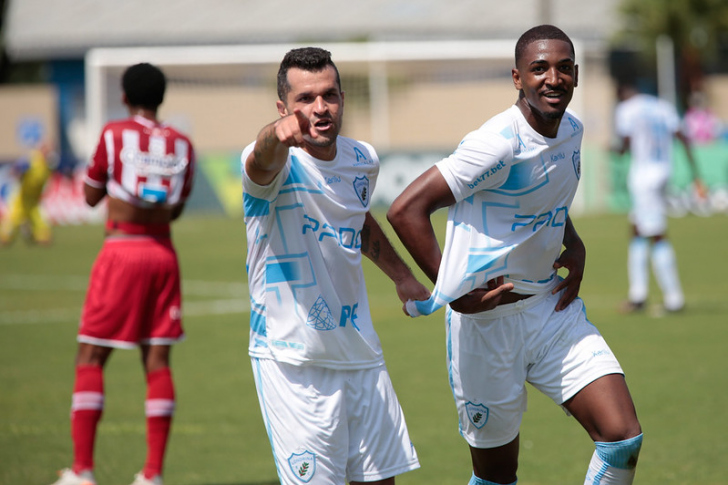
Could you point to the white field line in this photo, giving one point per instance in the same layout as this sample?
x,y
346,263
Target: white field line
x,y
232,298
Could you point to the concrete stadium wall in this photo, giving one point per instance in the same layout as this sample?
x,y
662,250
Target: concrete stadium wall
x,y
27,114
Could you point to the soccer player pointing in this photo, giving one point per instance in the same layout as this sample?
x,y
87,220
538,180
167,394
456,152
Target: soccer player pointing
x,y
316,358
511,319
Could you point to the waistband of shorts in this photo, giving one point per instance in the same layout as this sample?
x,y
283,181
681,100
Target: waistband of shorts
x,y
137,229
529,301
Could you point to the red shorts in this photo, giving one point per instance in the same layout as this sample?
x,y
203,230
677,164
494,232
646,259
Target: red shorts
x,y
133,295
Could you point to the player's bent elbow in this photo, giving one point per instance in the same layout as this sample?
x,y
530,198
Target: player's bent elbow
x,y
396,213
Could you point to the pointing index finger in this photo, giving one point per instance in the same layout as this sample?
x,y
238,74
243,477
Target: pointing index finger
x,y
304,124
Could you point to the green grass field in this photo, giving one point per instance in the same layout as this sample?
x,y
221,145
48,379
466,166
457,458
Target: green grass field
x,y
675,367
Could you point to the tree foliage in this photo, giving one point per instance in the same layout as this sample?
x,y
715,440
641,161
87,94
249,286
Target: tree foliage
x,y
700,25
698,29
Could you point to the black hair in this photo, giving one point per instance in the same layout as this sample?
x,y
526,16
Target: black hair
x,y
541,32
312,59
144,85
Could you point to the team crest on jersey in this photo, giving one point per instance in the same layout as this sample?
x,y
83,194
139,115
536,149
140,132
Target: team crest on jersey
x,y
361,187
477,413
303,465
576,160
320,317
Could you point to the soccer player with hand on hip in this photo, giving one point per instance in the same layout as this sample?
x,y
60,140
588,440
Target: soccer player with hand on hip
x,y
511,319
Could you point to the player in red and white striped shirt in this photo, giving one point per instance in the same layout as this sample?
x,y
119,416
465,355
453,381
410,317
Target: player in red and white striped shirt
x,y
144,169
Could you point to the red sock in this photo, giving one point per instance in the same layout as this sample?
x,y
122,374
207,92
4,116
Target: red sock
x,y
159,410
86,408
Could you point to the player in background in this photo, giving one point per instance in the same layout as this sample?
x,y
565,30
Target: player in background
x,y
145,170
511,319
325,394
24,208
646,127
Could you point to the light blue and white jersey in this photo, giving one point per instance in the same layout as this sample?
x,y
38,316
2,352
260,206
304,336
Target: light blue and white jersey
x,y
308,297
651,124
513,188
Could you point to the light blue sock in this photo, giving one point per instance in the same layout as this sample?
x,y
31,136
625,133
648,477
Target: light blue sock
x,y
614,463
479,481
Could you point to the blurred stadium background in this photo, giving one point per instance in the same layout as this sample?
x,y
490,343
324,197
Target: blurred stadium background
x,y
418,75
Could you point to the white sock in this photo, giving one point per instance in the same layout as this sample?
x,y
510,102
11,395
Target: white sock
x,y
600,473
665,266
637,269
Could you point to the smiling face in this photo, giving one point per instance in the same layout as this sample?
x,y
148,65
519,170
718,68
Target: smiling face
x,y
546,76
318,96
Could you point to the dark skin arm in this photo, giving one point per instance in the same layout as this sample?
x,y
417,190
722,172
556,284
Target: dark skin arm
x,y
93,195
410,217
573,258
624,146
699,185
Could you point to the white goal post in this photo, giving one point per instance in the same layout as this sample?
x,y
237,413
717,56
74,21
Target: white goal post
x,y
414,100
376,59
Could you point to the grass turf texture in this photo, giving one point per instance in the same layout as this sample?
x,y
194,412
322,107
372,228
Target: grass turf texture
x,y
675,367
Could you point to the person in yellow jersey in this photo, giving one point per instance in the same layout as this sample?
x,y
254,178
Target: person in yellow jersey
x,y
24,208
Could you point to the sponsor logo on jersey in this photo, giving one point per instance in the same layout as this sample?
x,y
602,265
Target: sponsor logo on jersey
x,y
361,159
522,147
477,414
576,160
150,164
361,187
555,157
574,124
491,171
303,465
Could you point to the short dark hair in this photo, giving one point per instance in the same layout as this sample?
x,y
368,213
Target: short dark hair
x,y
312,59
144,85
541,32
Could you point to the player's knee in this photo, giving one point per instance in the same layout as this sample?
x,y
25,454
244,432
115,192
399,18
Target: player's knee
x,y
620,454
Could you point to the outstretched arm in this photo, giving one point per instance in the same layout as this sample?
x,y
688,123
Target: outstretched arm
x,y
622,146
573,258
376,246
271,146
697,181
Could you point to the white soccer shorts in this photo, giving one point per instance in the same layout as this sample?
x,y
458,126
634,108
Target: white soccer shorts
x,y
649,205
494,353
330,426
